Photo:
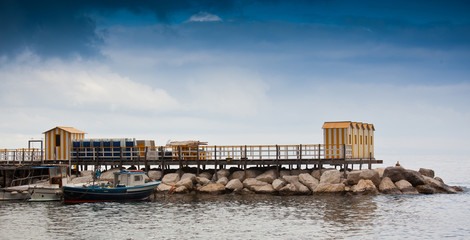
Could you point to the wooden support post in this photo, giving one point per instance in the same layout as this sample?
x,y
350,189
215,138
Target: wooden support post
x,y
197,159
146,160
32,156
370,161
277,161
344,159
244,165
162,161
22,157
300,158
179,161
120,157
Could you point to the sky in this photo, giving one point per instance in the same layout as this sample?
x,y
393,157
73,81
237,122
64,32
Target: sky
x,y
239,72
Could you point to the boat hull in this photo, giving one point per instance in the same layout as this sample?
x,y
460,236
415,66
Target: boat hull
x,y
42,194
99,194
13,194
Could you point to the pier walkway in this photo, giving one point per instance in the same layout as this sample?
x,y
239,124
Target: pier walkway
x,y
310,155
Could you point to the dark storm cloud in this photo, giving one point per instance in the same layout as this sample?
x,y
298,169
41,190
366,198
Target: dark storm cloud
x,y
64,28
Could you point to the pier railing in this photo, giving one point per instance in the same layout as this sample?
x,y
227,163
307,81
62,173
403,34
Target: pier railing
x,y
169,153
21,156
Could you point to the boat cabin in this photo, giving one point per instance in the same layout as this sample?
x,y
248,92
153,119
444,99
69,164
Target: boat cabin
x,y
129,178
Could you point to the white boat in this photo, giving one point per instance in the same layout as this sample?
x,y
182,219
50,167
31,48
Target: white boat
x,y
15,193
51,190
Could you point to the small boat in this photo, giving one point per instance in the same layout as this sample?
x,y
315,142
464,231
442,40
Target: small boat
x,y
51,190
129,185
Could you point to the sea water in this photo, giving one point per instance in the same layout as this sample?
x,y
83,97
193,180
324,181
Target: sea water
x,y
250,216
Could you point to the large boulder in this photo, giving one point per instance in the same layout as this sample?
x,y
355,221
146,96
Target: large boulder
x,y
380,171
426,189
162,187
405,187
388,187
426,172
268,188
234,185
283,173
223,173
414,177
279,183
213,188
268,176
223,181
353,177
438,185
187,183
329,188
364,186
296,172
155,174
331,177
394,173
288,189
190,176
171,179
369,174
181,189
294,180
207,175
309,181
250,182
316,174
202,180
240,175
252,173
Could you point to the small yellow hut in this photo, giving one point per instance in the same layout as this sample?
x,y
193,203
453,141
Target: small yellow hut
x,y
58,142
359,136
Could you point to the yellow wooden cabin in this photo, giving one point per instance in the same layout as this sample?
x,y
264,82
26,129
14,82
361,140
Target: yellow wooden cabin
x,y
58,142
357,136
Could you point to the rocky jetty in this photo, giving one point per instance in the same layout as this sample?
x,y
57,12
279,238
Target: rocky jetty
x,y
390,180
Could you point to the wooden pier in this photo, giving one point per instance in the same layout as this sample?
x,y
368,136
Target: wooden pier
x,y
163,157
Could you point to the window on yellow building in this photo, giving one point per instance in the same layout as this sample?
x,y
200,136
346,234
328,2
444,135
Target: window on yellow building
x,y
360,139
371,142
57,140
350,139
355,139
365,139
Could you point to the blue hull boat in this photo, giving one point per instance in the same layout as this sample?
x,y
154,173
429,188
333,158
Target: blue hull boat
x,y
128,186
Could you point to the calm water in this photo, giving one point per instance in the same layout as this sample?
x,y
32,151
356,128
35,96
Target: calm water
x,y
248,217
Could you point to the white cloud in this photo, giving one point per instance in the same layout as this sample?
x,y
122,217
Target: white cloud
x,y
204,17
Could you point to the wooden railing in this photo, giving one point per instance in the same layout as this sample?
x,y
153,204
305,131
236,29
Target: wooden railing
x,y
21,156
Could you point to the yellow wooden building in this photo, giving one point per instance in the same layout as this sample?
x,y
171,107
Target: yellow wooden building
x,y
357,136
58,142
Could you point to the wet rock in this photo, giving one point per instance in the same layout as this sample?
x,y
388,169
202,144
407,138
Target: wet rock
x,y
250,182
331,177
394,173
268,188
240,175
353,177
425,189
309,181
234,185
369,174
252,173
414,177
181,189
190,176
155,175
300,188
329,188
316,174
207,175
457,188
380,171
365,186
213,188
288,189
188,183
171,179
405,187
388,187
222,180
268,176
246,191
283,173
439,186
162,187
439,179
426,172
297,172
202,180
278,184
223,173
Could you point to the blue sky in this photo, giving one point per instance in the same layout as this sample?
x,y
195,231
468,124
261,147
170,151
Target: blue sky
x,y
239,72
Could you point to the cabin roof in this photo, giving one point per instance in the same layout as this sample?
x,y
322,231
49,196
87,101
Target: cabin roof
x,y
67,129
344,124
